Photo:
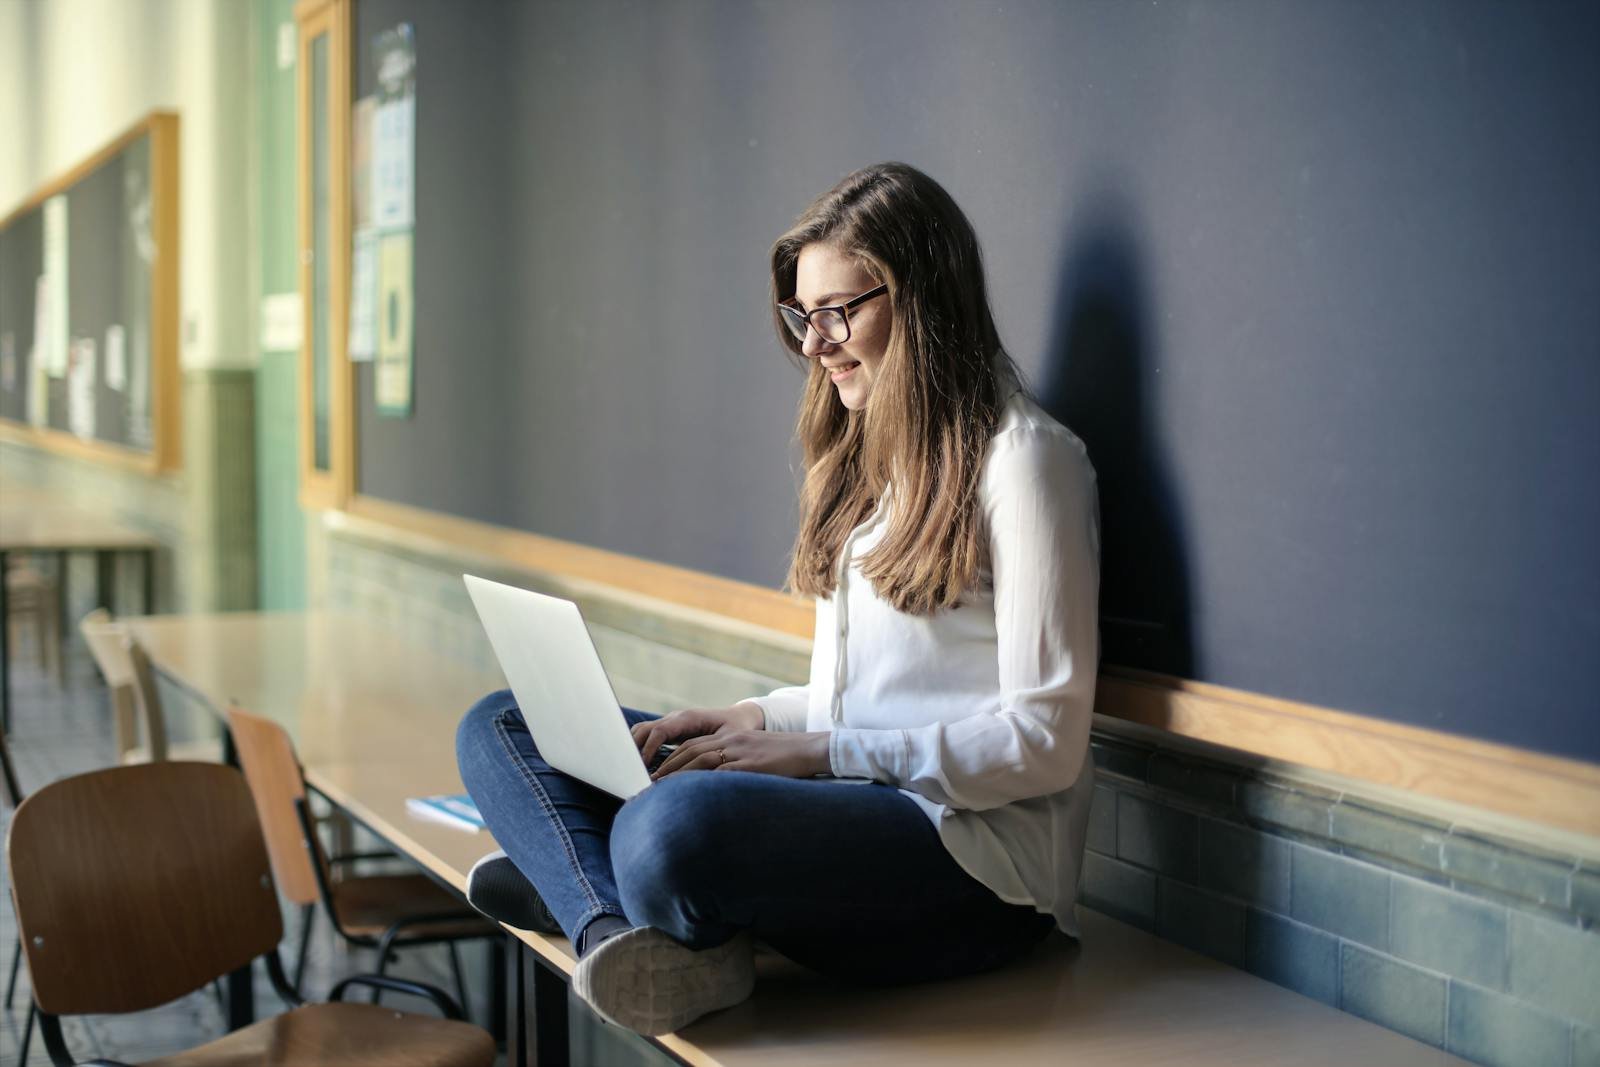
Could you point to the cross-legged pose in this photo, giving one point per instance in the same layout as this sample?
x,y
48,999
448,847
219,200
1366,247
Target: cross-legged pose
x,y
918,809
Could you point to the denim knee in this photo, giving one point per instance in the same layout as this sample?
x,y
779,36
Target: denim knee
x,y
664,846
475,732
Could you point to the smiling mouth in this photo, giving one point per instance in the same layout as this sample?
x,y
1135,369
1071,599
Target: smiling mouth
x,y
841,371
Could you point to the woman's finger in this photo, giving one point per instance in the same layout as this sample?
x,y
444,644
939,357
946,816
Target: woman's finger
x,y
646,737
686,757
685,752
662,731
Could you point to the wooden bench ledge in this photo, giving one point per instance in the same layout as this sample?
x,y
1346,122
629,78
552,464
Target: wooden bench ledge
x,y
1123,998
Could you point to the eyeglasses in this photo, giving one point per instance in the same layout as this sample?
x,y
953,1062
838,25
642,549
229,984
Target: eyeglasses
x,y
831,322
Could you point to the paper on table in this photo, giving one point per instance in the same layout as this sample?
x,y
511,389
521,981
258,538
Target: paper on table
x,y
364,298
393,129
38,389
55,276
139,434
116,358
455,810
80,387
41,323
392,381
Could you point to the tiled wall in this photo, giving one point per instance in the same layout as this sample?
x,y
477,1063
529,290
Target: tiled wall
x,y
658,657
1465,940
1475,943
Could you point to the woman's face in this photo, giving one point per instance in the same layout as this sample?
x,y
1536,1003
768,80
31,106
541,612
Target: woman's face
x,y
826,275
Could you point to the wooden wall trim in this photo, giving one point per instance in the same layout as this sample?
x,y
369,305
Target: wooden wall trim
x,y
166,421
70,177
1253,729
1531,786
63,443
752,604
325,488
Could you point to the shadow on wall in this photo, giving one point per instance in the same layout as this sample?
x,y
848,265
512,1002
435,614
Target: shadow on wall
x,y
1096,380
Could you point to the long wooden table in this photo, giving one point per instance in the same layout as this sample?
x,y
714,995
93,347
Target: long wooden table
x,y
31,521
374,715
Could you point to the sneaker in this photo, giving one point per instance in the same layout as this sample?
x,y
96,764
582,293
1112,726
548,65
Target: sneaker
x,y
502,892
645,981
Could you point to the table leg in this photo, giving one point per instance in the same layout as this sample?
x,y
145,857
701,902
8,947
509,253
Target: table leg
x,y
551,1044
149,581
105,577
241,998
519,1055
5,651
61,591
497,990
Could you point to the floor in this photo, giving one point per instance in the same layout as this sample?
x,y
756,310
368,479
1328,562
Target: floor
x,y
61,730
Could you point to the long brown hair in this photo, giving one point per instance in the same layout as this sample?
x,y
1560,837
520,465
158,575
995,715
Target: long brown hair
x,y
936,398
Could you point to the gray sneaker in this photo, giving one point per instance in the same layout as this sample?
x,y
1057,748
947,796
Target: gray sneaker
x,y
502,892
649,983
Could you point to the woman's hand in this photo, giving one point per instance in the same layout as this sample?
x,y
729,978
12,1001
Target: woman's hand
x,y
786,754
693,722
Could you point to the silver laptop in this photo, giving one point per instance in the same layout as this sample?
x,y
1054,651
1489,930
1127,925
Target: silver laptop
x,y
565,696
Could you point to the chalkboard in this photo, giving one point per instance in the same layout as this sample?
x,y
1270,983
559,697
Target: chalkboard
x,y
1317,284
112,255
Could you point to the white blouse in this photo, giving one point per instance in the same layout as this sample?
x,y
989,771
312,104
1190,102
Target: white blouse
x,y
981,714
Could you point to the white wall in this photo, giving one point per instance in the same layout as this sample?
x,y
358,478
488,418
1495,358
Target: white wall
x,y
76,73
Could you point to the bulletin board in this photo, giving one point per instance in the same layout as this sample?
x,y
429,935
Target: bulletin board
x,y
89,305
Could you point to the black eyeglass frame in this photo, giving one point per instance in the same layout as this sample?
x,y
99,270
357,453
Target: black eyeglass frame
x,y
804,317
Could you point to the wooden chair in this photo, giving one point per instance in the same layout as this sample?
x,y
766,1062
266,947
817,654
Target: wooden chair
x,y
31,601
137,885
135,700
381,911
13,797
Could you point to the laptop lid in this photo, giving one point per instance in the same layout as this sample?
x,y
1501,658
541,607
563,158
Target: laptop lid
x,y
555,674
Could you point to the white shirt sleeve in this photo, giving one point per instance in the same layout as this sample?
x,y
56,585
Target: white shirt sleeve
x,y
1043,511
783,709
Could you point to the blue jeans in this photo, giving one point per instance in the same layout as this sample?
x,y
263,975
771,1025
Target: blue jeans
x,y
850,880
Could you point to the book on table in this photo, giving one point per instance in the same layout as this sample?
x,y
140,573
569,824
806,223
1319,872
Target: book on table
x,y
451,809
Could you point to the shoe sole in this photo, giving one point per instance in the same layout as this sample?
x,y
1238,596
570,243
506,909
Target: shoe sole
x,y
643,980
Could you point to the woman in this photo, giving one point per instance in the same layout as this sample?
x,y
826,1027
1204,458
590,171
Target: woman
x,y
918,809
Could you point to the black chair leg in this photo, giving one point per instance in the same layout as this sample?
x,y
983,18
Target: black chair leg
x,y
461,984
16,962
308,913
385,947
27,1034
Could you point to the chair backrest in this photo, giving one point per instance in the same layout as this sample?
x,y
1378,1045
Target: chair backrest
x,y
137,885
149,699
133,691
270,766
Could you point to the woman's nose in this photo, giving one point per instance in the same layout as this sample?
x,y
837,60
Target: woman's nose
x,y
814,343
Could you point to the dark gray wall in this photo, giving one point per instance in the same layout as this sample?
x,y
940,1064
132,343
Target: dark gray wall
x,y
1316,282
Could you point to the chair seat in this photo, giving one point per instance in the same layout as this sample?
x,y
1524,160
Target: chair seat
x,y
370,904
343,1033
